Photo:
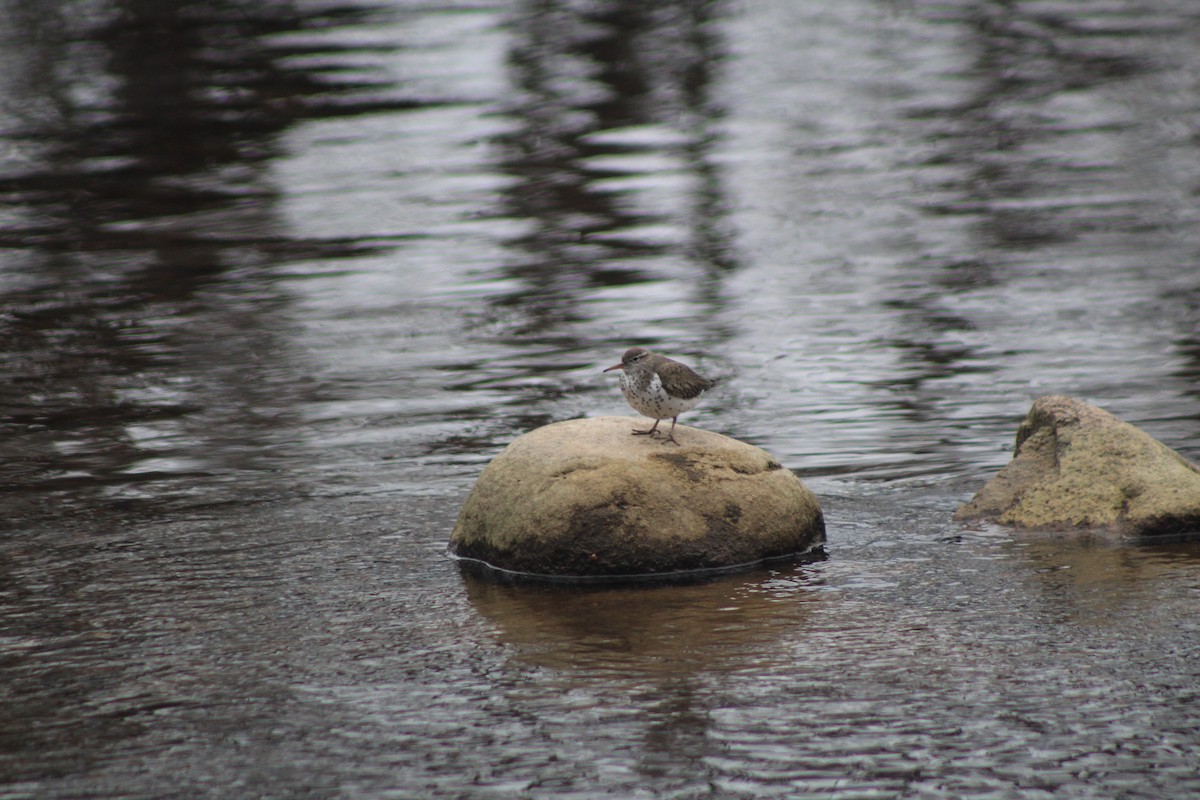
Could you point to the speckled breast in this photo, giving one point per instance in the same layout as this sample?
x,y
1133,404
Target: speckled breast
x,y
652,399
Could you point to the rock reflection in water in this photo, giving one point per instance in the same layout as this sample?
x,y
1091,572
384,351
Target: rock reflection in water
x,y
1100,583
650,632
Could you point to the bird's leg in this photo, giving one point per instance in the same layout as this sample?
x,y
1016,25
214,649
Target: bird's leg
x,y
671,435
651,432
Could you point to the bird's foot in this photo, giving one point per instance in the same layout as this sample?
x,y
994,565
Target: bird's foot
x,y
652,433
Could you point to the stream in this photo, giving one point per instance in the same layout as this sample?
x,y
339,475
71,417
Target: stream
x,y
278,279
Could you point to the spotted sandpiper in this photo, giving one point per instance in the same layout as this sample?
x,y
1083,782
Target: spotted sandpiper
x,y
659,387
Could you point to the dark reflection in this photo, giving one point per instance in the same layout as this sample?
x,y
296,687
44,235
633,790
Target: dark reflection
x,y
660,643
140,236
143,360
581,72
1187,345
613,176
677,736
602,90
171,110
1103,583
1040,180
636,633
1024,58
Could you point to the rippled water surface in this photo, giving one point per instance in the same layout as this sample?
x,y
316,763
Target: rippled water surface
x,y
278,278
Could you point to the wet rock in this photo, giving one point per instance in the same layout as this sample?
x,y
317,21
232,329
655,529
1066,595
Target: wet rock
x,y
1079,467
586,498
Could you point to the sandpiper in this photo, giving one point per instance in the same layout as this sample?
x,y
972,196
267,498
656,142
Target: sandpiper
x,y
659,387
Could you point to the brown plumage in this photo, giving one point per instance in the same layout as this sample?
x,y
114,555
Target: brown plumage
x,y
659,387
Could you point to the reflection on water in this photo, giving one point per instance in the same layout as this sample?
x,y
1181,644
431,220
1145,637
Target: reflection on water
x,y
725,625
607,161
141,326
277,279
955,227
1101,584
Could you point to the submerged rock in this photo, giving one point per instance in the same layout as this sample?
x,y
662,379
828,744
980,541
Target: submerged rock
x,y
584,498
1078,466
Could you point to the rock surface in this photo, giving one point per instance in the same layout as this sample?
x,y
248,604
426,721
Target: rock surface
x,y
586,498
1077,466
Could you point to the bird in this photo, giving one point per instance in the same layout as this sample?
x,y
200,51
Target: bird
x,y
659,387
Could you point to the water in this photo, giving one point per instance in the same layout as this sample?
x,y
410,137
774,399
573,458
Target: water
x,y
277,280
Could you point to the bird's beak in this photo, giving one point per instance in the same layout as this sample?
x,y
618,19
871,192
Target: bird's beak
x,y
615,366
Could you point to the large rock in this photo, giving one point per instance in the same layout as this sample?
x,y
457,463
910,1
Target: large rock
x,y
585,498
1077,466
